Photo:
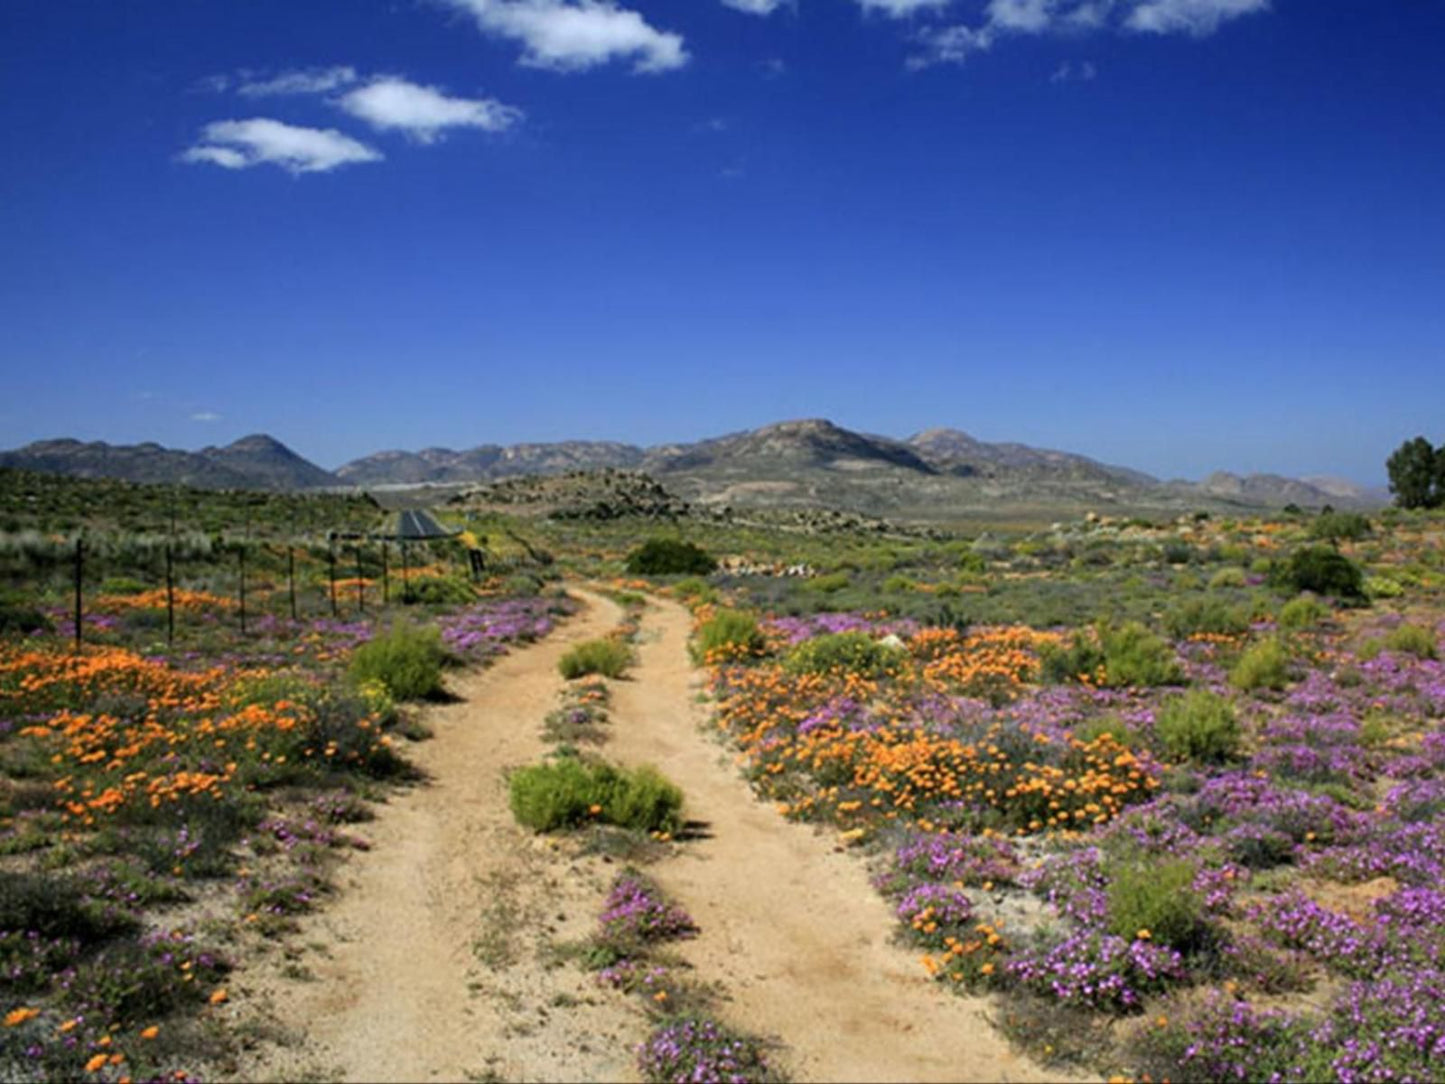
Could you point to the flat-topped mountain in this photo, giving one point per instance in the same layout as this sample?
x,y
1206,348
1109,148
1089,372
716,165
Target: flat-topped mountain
x,y
254,462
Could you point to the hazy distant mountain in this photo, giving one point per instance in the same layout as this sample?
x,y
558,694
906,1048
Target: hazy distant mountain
x,y
254,462
814,463
486,462
809,463
1276,491
959,453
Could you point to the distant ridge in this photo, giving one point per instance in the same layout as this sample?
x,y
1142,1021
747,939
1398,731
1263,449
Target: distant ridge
x,y
801,463
254,462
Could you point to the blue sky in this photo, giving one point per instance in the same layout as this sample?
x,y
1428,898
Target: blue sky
x,y
1180,235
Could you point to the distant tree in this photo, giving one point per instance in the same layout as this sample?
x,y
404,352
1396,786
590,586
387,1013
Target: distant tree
x,y
1417,474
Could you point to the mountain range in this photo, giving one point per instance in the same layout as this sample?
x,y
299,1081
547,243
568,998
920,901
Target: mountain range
x,y
791,464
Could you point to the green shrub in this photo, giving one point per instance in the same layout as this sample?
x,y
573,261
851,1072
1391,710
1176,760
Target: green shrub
x,y
852,652
566,793
1383,587
22,616
1083,656
1303,612
1263,666
669,556
829,584
1330,526
439,590
1091,730
606,657
732,632
1198,726
1158,897
1323,571
645,800
1412,640
1211,615
405,660
1227,577
1133,656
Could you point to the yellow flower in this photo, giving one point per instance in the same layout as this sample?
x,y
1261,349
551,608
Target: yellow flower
x,y
1143,935
95,1064
16,1017
150,1032
218,997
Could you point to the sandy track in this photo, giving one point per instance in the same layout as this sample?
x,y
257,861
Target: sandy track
x,y
426,964
790,924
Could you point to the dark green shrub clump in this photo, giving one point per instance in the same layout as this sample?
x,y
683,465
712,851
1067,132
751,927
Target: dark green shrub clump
x,y
569,792
1199,726
606,657
406,660
669,557
732,633
1323,571
853,652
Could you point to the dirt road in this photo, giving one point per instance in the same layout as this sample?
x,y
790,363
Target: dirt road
x,y
432,964
790,925
426,965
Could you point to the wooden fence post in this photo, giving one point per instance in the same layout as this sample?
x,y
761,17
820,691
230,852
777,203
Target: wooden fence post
x,y
170,598
79,575
360,583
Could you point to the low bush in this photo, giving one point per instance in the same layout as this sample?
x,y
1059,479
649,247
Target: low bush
x,y
610,658
1227,577
1207,615
405,660
1331,526
1383,587
1323,571
568,792
849,652
1303,612
731,634
1156,901
1135,657
1199,726
439,590
669,556
1263,666
1412,640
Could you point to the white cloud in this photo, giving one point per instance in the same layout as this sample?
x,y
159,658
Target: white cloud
x,y
1197,17
1067,72
205,416
901,9
1001,18
574,35
1024,16
424,112
307,81
240,144
755,7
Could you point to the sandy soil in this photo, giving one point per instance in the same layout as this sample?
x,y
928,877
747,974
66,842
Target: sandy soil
x,y
437,961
